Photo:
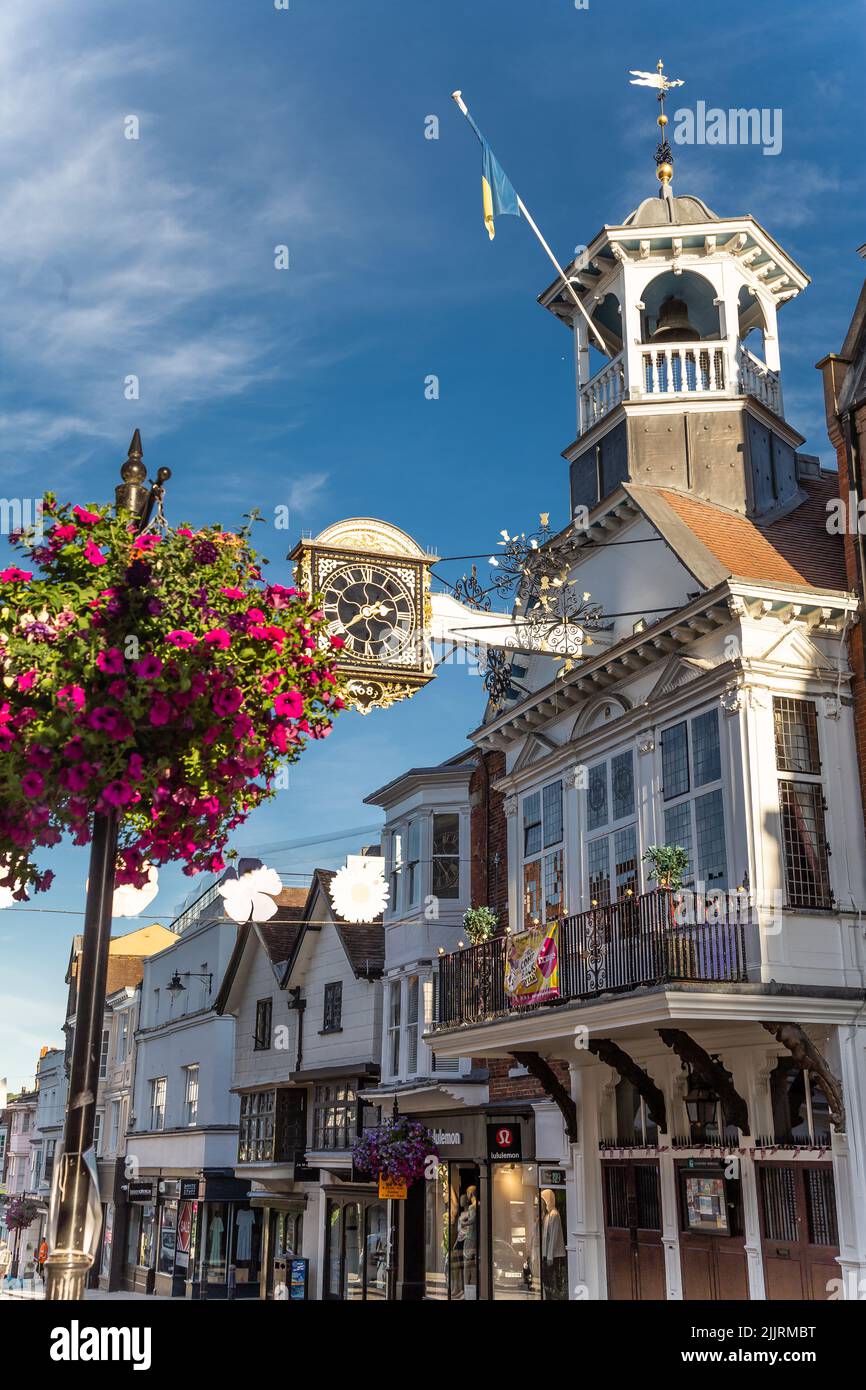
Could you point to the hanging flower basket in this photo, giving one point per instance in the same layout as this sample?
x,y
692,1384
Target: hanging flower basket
x,y
399,1149
157,676
21,1212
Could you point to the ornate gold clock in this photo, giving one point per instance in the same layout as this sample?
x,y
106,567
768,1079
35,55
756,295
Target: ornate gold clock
x,y
374,581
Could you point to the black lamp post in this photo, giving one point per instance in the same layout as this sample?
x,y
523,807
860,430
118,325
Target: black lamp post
x,y
75,1191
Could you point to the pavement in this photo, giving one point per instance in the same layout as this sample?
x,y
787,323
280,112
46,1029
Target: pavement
x,y
30,1294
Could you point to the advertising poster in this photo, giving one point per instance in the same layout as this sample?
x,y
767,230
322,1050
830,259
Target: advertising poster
x,y
532,965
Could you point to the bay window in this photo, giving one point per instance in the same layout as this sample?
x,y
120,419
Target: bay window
x,y
446,855
694,814
413,863
412,1000
611,830
543,857
396,868
394,1027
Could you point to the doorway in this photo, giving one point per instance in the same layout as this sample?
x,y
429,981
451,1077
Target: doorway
x,y
633,1230
799,1229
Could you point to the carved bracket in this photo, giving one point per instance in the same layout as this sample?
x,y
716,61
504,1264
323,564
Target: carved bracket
x,y
808,1058
613,1056
713,1074
547,1078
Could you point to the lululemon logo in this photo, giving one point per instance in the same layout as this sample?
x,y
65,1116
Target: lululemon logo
x,y
504,1138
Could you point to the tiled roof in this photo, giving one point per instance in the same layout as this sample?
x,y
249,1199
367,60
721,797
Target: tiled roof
x,y
280,935
796,549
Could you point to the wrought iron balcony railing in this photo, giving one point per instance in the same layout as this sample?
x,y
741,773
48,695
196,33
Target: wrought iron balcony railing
x,y
651,939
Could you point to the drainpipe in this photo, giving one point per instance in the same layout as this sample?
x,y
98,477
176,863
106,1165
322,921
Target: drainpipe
x,y
296,1002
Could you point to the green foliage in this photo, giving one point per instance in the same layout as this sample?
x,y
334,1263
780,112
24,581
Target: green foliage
x,y
668,865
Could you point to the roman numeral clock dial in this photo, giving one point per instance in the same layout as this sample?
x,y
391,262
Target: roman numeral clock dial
x,y
374,583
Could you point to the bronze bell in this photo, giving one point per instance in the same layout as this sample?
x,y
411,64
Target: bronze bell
x,y
673,323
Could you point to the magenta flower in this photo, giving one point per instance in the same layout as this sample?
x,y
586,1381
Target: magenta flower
x,y
146,543
27,680
290,704
103,717
160,710
32,784
135,767
13,575
64,533
118,690
71,695
182,638
218,637
148,668
111,661
85,517
233,593
94,555
227,702
117,793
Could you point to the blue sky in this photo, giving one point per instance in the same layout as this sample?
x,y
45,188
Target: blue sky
x,y
305,388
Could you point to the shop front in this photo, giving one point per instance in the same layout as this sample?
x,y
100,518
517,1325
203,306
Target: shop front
x,y
493,1216
193,1236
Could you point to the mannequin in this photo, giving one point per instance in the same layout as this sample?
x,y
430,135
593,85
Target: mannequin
x,y
467,1234
553,1252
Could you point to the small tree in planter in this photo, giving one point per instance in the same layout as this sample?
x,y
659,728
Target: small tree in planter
x,y
668,865
480,924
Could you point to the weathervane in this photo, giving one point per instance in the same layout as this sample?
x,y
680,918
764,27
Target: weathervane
x,y
663,156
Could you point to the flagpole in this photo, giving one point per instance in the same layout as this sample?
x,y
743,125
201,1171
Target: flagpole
x,y
458,98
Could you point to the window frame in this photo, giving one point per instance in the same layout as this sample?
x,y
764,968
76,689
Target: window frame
x,y
609,831
436,858
534,862
694,793
332,1007
264,1009
335,1113
257,1126
191,1075
395,1027
155,1109
104,1046
813,779
413,864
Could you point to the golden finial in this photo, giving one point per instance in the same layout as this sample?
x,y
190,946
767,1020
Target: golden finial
x,y
662,85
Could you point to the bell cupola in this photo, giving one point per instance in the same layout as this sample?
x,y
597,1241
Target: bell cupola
x,y
688,393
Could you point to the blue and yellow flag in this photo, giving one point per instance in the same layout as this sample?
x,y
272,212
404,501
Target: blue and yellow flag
x,y
497,192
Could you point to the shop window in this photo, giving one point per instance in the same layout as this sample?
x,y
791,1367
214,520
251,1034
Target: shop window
x,y
335,1112
247,1244
147,1237
543,863
694,815
157,1102
107,1234
515,1215
611,858
262,1040
217,1219
376,1250
356,1242
446,856
167,1238
332,1021
256,1131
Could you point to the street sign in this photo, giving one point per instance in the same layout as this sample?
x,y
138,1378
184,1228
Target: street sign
x,y
392,1189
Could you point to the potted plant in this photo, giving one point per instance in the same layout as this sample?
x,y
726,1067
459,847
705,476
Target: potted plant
x,y
480,924
668,866
399,1149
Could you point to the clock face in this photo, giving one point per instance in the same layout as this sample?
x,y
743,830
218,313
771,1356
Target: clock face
x,y
372,608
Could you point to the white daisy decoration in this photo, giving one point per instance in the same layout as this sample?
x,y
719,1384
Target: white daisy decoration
x,y
7,895
250,898
129,901
358,890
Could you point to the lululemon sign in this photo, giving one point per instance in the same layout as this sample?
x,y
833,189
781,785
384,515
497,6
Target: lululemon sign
x,y
504,1143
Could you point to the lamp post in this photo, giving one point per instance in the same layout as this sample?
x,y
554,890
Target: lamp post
x,y
75,1194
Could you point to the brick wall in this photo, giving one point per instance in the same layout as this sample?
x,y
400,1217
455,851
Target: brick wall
x,y
834,371
505,1088
488,834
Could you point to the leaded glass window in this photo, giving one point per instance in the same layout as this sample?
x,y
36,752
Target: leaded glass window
x,y
675,761
691,765
544,867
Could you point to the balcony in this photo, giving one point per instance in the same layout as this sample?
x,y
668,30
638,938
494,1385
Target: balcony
x,y
656,938
756,379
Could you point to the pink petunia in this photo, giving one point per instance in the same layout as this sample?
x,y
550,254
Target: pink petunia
x,y
94,555
181,637
32,784
64,533
337,642
218,637
118,690
71,695
290,704
160,710
27,680
146,543
117,793
84,517
270,683
13,575
233,593
148,668
135,767
227,701
111,661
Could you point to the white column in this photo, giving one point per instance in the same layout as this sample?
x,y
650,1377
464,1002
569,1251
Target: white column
x,y
586,1253
849,1161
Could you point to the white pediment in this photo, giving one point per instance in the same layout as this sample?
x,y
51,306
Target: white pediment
x,y
536,747
679,671
794,647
